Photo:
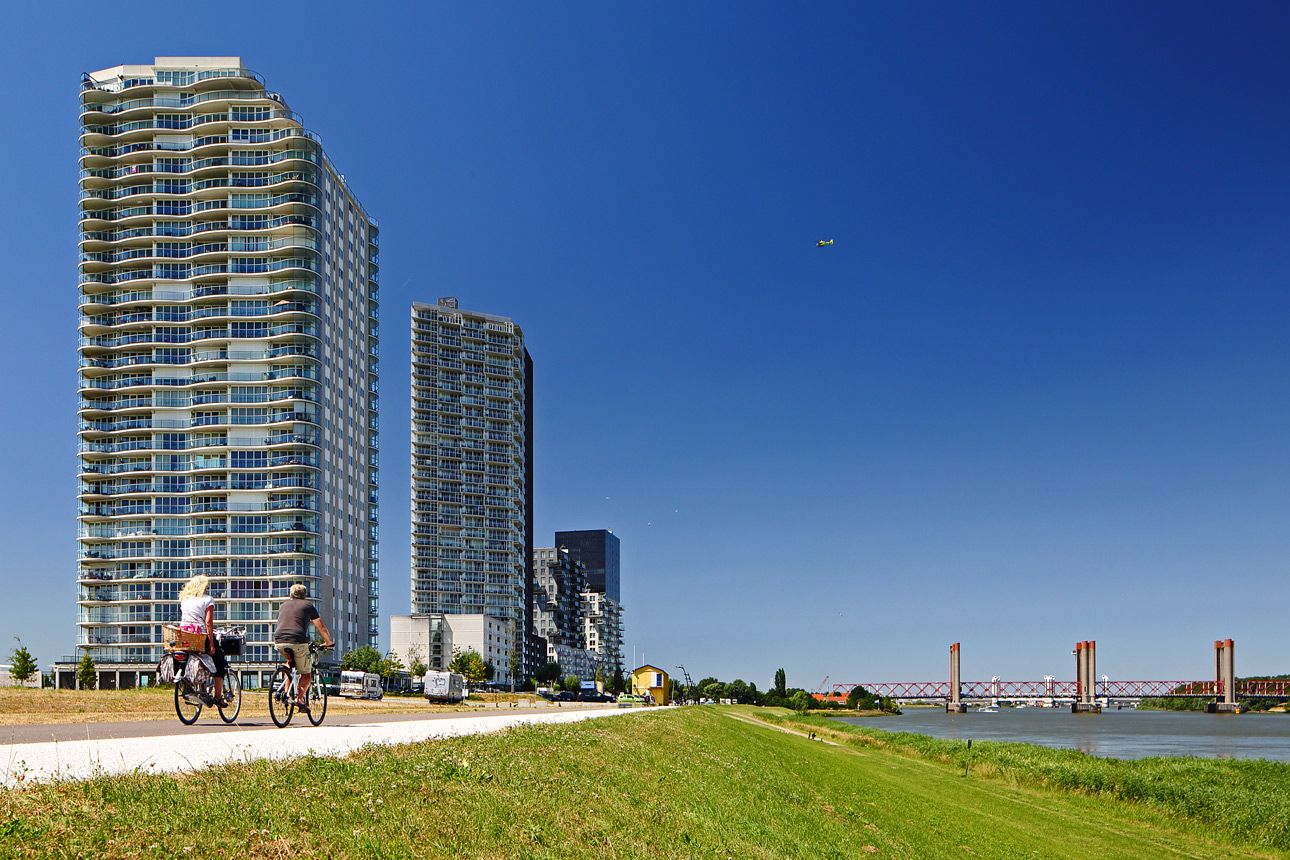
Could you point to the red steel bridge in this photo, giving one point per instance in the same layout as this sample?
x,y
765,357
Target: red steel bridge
x,y
1085,690
1054,689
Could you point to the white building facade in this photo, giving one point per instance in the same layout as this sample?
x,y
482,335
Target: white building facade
x,y
435,638
228,363
602,619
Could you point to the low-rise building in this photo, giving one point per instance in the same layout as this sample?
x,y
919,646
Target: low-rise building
x,y
437,637
653,682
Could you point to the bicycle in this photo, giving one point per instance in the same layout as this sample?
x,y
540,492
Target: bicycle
x,y
191,698
284,692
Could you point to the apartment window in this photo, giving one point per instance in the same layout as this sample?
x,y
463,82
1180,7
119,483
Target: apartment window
x,y
178,79
247,525
249,460
173,120
251,135
249,393
249,114
249,329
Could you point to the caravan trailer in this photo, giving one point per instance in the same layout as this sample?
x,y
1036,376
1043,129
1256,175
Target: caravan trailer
x,y
360,685
444,687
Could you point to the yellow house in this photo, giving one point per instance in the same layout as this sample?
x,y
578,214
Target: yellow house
x,y
653,682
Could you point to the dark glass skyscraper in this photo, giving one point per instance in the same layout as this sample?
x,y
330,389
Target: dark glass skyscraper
x,y
597,549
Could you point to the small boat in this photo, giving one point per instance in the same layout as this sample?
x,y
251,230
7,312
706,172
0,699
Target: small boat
x,y
987,709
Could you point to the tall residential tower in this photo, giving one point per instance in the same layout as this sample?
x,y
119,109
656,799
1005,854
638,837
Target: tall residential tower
x,y
472,467
228,369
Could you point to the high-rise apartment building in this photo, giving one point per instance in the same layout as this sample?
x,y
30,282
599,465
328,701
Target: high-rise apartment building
x,y
558,584
598,550
602,619
228,362
472,467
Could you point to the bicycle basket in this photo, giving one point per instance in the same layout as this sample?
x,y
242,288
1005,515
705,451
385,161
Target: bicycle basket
x,y
175,639
231,643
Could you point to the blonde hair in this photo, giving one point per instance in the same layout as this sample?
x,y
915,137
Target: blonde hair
x,y
299,590
196,587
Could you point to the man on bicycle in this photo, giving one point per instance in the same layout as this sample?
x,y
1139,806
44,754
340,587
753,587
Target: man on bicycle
x,y
291,636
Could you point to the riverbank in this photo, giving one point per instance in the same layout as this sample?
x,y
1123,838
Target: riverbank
x,y
698,781
1247,800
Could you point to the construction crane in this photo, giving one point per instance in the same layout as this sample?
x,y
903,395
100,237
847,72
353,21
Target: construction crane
x,y
824,685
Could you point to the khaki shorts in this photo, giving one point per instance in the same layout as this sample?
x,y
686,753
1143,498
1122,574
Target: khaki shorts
x,y
304,660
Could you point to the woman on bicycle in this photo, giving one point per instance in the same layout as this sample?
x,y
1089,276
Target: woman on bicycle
x,y
197,615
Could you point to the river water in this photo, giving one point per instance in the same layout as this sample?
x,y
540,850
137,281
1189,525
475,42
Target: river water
x,y
1124,733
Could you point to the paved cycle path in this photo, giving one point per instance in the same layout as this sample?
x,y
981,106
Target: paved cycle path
x,y
81,751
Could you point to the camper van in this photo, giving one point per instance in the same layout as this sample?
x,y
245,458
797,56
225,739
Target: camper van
x,y
444,686
360,685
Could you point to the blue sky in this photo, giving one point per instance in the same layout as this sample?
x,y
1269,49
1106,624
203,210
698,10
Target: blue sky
x,y
1036,392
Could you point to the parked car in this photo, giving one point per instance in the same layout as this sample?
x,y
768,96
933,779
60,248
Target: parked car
x,y
594,696
564,696
631,699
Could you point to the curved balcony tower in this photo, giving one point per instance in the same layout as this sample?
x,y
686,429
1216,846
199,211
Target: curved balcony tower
x,y
228,362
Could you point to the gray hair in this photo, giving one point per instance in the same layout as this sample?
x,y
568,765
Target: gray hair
x,y
299,590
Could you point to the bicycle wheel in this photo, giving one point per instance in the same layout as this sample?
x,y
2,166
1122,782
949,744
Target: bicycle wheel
x,y
317,699
282,701
187,705
232,704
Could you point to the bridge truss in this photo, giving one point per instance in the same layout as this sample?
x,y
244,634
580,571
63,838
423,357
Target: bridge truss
x,y
1053,689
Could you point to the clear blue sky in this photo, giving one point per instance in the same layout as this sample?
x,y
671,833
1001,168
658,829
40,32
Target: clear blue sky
x,y
1036,392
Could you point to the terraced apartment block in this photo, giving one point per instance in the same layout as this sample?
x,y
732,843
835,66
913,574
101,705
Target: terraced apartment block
x,y
228,364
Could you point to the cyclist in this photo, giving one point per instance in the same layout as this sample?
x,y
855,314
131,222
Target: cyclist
x,y
197,615
291,636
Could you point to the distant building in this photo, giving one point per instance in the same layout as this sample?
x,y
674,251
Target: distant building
x,y
598,550
558,584
472,468
653,682
437,637
602,624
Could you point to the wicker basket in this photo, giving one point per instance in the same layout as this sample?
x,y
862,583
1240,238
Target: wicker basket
x,y
174,639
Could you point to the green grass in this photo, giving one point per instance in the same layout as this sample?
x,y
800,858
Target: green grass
x,y
1247,800
697,782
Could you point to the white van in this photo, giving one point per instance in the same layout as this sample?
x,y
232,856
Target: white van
x,y
360,685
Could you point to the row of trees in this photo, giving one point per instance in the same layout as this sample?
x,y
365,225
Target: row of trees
x,y
779,696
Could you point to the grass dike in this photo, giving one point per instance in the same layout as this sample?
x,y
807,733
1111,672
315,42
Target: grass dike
x,y
721,782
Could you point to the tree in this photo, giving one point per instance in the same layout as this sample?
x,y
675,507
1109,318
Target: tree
x,y
389,667
618,684
548,672
801,701
24,665
365,659
86,673
490,671
781,683
418,668
856,696
572,683
469,665
516,663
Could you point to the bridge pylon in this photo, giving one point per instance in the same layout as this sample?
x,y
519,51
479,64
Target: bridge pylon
x,y
1224,679
1085,679
955,704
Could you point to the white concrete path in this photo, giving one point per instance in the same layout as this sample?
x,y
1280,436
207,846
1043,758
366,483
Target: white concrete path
x,y
45,762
